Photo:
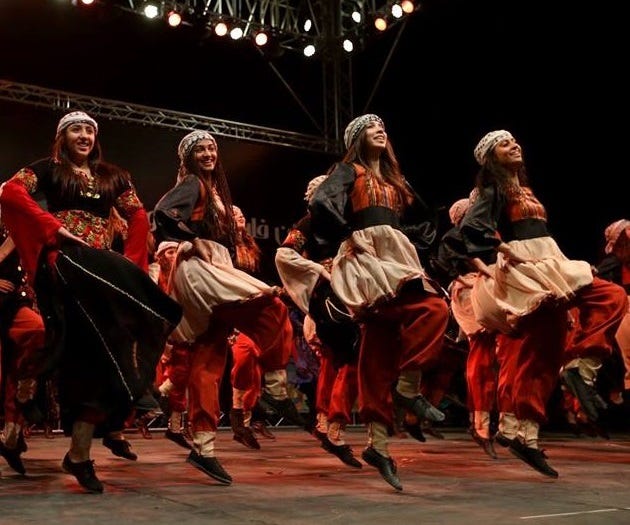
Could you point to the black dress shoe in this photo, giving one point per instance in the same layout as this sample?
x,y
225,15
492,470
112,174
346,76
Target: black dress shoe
x,y
120,448
419,405
386,466
12,457
178,438
283,407
210,466
343,452
590,401
534,457
485,443
415,431
84,472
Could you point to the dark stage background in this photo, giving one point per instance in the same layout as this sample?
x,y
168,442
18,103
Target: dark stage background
x,y
549,72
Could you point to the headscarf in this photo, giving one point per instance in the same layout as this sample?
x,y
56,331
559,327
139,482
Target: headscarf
x,y
613,232
188,143
457,210
487,144
75,117
356,127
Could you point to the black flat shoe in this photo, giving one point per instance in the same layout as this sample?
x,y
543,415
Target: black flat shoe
x,y
284,408
485,444
386,466
343,452
84,472
178,438
209,466
534,457
502,439
415,431
590,401
419,405
12,457
120,448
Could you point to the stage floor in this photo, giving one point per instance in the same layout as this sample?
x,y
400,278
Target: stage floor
x,y
293,481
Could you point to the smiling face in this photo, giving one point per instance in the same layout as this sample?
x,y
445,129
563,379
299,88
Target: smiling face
x,y
204,156
508,153
79,140
239,218
375,137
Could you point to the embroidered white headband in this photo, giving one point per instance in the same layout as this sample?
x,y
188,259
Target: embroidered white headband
x,y
76,117
188,143
356,126
488,142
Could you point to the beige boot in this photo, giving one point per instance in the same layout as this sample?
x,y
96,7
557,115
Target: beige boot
x,y
508,427
377,455
378,438
276,384
528,433
409,383
336,433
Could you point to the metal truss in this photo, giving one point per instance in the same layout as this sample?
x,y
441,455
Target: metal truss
x,y
283,19
138,114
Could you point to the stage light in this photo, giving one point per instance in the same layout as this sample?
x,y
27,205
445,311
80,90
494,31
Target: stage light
x,y
407,6
236,33
151,10
174,19
348,46
308,23
86,2
380,23
261,38
309,50
397,11
356,16
220,29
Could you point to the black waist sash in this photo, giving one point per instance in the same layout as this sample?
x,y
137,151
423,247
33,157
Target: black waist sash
x,y
375,216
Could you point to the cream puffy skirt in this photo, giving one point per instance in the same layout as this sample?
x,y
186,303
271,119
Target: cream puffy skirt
x,y
199,287
461,304
371,266
518,289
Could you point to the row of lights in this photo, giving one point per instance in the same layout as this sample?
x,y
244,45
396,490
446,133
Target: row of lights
x,y
174,18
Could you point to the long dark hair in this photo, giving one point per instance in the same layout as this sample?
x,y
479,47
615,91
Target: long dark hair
x,y
390,168
109,180
493,172
218,229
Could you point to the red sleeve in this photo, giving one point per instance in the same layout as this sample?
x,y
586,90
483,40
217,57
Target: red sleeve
x,y
30,226
136,243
